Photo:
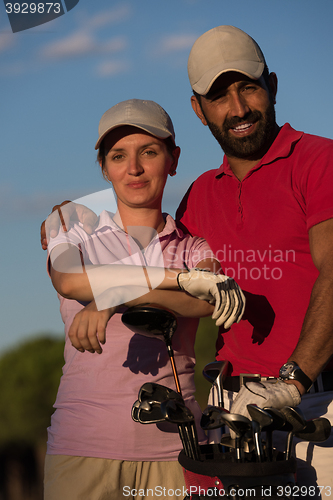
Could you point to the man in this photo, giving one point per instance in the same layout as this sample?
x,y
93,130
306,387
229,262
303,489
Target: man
x,y
267,214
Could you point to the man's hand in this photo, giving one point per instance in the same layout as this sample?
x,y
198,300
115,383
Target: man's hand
x,y
62,215
215,288
269,394
87,331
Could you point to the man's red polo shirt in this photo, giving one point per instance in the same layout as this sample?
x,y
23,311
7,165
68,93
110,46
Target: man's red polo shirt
x,y
258,229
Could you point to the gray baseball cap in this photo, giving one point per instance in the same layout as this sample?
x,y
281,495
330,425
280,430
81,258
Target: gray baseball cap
x,y
223,49
146,115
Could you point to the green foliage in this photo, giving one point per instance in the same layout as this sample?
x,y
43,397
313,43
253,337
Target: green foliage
x,y
30,375
205,353
29,379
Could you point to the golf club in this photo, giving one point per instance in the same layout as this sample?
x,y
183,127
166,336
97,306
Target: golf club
x,y
278,422
316,430
216,372
296,419
134,413
211,418
156,322
147,413
240,425
177,413
260,419
156,393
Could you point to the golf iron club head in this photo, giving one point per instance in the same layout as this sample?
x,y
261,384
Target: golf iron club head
x,y
156,393
240,425
211,418
177,413
147,413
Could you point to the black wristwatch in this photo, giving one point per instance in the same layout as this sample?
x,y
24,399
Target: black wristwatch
x,y
291,371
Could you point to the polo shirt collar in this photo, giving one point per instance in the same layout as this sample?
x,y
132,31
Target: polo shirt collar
x,y
109,219
280,148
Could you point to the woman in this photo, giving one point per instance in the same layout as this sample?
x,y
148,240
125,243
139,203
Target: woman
x,y
95,450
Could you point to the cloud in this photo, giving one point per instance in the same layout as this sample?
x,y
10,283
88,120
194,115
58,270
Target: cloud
x,y
7,40
88,38
112,68
107,17
80,44
175,43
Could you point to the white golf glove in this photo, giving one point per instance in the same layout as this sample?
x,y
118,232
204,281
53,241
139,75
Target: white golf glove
x,y
269,394
217,289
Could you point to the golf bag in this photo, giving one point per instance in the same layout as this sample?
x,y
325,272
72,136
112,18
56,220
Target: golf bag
x,y
249,469
216,475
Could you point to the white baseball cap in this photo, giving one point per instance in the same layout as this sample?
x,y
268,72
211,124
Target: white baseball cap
x,y
146,115
223,49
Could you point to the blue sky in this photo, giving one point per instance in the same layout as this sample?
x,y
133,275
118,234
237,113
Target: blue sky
x,y
57,80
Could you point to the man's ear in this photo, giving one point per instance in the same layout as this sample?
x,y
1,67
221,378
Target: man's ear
x,y
273,84
197,109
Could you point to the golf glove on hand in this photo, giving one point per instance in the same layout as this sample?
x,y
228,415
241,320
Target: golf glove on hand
x,y
269,394
217,289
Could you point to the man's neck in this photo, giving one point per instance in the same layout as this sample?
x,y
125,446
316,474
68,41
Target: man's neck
x,y
241,166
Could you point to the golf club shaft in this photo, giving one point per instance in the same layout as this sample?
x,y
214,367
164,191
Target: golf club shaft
x,y
289,444
174,369
184,440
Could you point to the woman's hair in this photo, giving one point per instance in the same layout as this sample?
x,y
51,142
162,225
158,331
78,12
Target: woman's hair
x,y
171,146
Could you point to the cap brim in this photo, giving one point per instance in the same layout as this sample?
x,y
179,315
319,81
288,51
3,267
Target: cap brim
x,y
251,69
161,134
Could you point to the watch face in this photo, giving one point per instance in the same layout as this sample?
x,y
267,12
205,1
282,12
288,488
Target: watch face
x,y
286,369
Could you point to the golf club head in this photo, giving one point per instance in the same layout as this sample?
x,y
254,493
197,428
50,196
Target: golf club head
x,y
237,423
294,417
176,412
147,413
247,443
212,370
316,430
134,413
216,372
156,393
278,419
261,416
152,321
211,418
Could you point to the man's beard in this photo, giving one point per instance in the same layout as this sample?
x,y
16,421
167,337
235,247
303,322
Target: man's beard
x,y
250,147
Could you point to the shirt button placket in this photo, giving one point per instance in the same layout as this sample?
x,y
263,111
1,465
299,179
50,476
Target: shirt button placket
x,y
239,219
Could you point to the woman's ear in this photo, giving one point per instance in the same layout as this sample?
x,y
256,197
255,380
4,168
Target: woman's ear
x,y
104,172
175,158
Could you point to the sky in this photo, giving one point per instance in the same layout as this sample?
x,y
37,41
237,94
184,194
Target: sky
x,y
58,79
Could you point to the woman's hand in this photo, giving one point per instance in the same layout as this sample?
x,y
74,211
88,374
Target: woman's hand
x,y
87,331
